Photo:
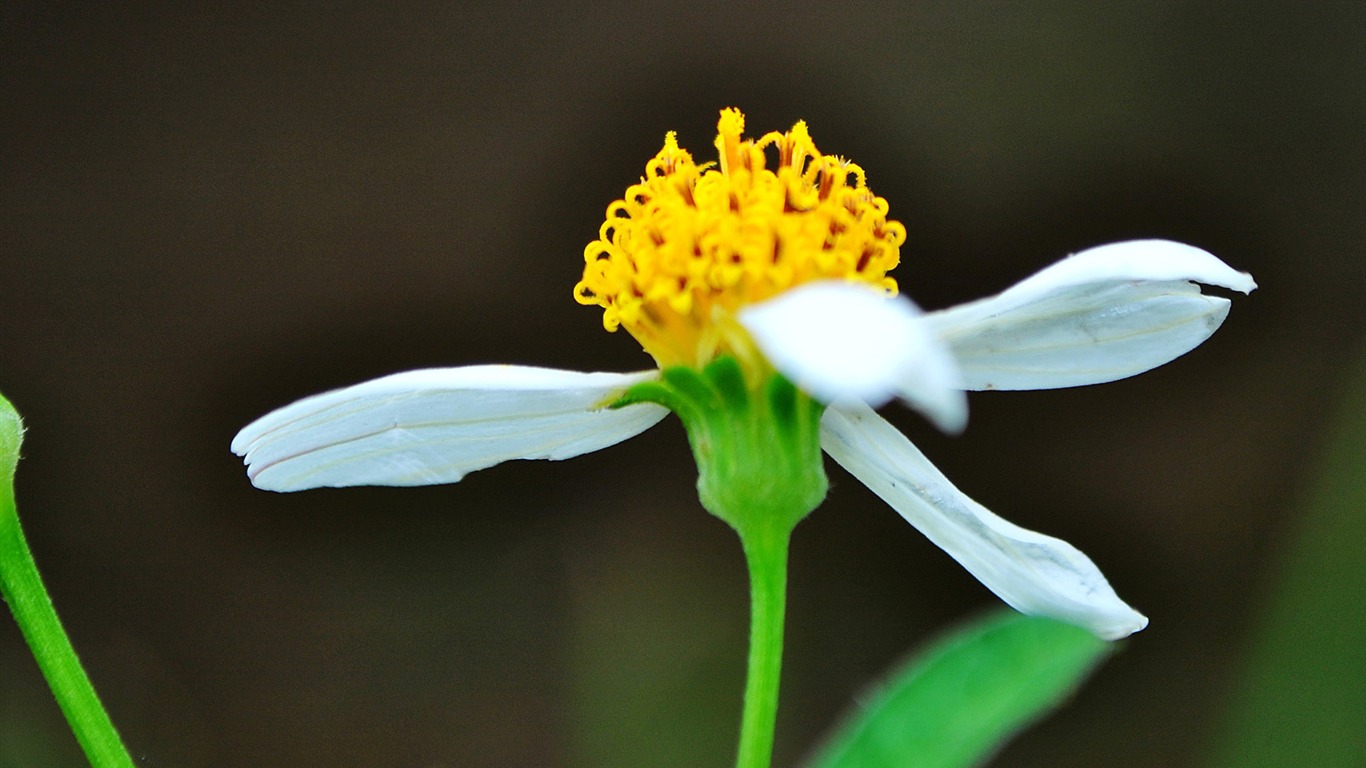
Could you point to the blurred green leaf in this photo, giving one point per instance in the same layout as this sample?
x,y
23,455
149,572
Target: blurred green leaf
x,y
959,700
1302,698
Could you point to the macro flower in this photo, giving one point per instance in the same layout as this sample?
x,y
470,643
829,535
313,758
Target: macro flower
x,y
775,262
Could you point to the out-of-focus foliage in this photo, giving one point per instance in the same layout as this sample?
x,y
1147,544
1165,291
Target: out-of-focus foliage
x,y
1302,698
957,702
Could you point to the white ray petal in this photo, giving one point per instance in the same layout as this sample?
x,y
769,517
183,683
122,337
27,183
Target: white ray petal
x,y
435,426
840,340
1034,573
1104,314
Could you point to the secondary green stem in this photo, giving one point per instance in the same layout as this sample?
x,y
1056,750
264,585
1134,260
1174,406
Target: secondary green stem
x,y
767,559
23,589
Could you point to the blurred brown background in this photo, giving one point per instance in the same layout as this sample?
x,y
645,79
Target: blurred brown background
x,y
207,214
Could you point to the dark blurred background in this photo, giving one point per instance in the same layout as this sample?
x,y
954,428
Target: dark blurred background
x,y
209,213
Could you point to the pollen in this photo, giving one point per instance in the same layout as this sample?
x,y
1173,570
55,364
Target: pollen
x,y
690,245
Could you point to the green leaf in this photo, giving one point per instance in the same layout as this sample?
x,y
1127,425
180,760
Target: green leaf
x,y
957,702
1301,700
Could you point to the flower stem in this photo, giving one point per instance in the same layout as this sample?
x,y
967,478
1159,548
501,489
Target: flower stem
x,y
756,439
22,587
767,559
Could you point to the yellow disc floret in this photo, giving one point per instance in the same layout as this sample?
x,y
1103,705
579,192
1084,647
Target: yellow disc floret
x,y
690,245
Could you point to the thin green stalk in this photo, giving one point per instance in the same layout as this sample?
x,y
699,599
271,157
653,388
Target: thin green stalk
x,y
756,439
22,588
767,559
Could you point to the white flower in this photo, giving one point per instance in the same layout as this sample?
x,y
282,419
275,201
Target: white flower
x,y
1101,315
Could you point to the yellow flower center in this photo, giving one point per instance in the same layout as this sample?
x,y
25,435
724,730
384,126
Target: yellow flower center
x,y
690,245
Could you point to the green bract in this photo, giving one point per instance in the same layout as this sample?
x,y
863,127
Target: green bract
x,y
756,441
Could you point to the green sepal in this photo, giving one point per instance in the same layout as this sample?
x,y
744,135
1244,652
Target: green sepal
x,y
755,438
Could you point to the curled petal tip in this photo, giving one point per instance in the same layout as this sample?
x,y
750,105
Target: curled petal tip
x,y
1139,623
1153,260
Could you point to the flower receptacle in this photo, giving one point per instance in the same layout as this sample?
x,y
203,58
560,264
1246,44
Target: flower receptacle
x,y
756,440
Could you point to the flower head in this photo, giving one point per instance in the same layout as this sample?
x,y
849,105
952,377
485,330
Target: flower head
x,y
743,280
690,245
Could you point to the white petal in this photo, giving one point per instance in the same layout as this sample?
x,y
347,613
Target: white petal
x,y
1036,574
434,426
840,340
1104,314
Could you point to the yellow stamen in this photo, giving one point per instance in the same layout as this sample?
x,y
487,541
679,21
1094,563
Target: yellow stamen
x,y
690,245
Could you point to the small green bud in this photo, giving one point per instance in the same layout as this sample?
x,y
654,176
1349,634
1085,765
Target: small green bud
x,y
11,436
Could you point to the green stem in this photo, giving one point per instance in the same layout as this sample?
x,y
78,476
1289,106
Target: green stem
x,y
756,439
767,559
23,589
